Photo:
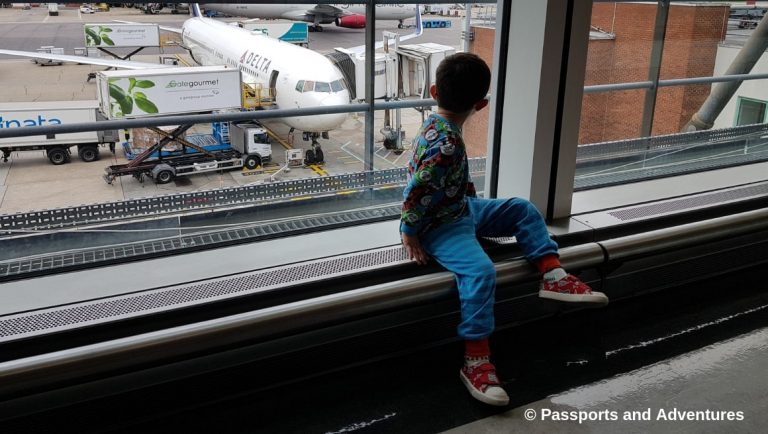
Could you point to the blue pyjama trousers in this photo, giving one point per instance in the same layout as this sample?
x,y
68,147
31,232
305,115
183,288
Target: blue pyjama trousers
x,y
456,247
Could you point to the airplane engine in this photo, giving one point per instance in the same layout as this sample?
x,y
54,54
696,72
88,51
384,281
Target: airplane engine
x,y
351,21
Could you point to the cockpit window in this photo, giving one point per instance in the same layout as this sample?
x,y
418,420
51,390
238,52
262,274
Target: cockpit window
x,y
321,86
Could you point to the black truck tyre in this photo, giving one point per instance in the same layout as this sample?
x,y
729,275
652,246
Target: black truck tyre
x,y
58,156
88,153
252,162
163,174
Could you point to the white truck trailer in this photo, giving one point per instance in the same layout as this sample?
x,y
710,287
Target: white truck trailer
x,y
250,147
167,91
56,146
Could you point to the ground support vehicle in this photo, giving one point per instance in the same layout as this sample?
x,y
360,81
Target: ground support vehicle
x,y
56,146
250,149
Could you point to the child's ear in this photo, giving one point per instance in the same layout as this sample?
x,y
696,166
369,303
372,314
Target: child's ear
x,y
433,91
481,104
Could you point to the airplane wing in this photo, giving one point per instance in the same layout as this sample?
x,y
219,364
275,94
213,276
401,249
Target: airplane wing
x,y
166,28
115,63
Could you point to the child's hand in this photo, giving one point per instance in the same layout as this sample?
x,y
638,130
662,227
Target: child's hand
x,y
413,247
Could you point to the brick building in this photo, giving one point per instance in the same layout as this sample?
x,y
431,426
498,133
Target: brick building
x,y
693,34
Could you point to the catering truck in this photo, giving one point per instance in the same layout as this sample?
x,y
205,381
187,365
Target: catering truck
x,y
125,94
172,91
247,147
56,146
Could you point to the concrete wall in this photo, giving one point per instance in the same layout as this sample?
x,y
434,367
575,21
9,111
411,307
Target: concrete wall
x,y
754,89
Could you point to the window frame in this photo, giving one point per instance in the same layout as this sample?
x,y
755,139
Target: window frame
x,y
740,99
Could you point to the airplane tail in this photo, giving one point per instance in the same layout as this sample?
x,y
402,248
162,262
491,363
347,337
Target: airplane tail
x,y
194,10
419,29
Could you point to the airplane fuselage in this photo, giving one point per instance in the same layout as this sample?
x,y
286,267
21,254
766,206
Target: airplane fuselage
x,y
297,11
269,63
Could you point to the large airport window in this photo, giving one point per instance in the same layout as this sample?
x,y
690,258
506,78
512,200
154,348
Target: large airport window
x,y
750,111
658,101
166,183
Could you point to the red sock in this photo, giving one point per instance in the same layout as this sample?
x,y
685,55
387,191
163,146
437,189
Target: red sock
x,y
547,263
476,349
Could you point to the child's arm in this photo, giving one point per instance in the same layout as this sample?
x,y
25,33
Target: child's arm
x,y
424,189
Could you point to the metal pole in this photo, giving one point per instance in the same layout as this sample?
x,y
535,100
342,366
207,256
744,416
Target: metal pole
x,y
654,68
467,26
370,61
753,49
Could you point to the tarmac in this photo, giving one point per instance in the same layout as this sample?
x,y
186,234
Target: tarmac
x,y
29,182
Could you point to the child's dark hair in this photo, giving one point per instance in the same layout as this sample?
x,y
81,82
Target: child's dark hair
x,y
462,79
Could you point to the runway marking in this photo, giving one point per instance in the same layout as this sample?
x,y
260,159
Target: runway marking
x,y
315,168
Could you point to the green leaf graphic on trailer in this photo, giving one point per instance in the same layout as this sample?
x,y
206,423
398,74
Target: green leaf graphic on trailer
x,y
96,35
124,100
143,103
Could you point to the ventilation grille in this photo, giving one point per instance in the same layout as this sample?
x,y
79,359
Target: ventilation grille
x,y
14,327
691,202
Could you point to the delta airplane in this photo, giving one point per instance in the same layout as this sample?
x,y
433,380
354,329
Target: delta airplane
x,y
342,14
263,61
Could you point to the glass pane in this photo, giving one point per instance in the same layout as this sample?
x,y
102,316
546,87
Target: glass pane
x,y
622,139
300,157
750,112
619,51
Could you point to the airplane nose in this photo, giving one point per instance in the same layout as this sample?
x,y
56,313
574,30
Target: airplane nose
x,y
334,99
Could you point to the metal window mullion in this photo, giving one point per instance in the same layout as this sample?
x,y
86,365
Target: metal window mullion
x,y
370,58
501,46
654,67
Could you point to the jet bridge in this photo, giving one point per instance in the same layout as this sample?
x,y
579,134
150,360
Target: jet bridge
x,y
418,64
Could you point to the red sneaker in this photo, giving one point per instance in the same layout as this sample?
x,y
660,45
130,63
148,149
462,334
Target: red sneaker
x,y
483,384
570,289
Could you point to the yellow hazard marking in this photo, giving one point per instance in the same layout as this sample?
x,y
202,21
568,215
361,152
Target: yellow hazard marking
x,y
282,142
315,168
178,56
347,192
301,198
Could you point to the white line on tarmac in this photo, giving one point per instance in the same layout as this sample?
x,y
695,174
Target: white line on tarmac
x,y
344,148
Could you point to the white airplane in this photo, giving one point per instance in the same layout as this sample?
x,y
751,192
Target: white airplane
x,y
342,14
263,61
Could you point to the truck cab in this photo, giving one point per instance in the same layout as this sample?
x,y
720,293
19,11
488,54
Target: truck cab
x,y
251,140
